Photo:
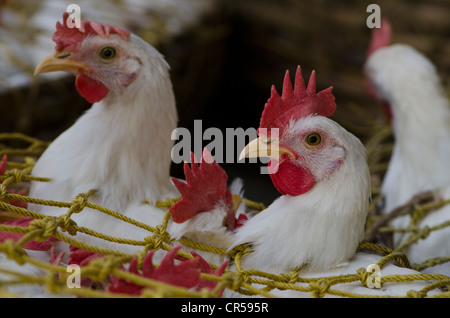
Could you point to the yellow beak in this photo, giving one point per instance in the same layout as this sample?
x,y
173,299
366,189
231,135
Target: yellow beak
x,y
265,147
59,62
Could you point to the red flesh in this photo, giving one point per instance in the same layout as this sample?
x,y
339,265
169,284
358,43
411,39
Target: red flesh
x,y
291,179
90,89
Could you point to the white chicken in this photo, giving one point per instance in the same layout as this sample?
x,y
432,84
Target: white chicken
x,y
321,170
408,82
323,176
26,27
121,147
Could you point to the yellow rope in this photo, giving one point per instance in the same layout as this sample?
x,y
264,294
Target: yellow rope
x,y
242,280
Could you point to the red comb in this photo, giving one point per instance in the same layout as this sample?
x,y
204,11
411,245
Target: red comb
x,y
296,102
68,38
185,274
207,269
205,187
81,257
381,37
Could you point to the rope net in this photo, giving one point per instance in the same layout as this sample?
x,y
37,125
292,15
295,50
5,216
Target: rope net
x,y
53,277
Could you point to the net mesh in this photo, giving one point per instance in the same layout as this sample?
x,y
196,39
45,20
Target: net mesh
x,y
22,152
260,25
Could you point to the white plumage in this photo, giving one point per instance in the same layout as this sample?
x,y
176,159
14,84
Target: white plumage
x,y
120,147
27,26
409,83
319,230
322,227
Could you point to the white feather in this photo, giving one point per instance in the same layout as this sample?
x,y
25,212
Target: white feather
x,y
321,228
409,82
28,25
120,147
319,231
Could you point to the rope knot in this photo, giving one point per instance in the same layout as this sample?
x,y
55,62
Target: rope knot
x,y
47,226
363,276
67,224
14,176
242,249
13,251
319,288
417,214
159,236
291,277
234,280
100,268
79,203
424,232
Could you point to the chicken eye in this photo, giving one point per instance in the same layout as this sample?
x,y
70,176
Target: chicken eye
x,y
313,139
108,53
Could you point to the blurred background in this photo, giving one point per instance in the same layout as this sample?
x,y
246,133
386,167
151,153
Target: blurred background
x,y
224,57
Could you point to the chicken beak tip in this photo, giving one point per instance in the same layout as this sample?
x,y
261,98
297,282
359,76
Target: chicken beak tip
x,y
251,150
243,154
55,62
265,147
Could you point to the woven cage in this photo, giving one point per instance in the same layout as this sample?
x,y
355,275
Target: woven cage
x,y
240,46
